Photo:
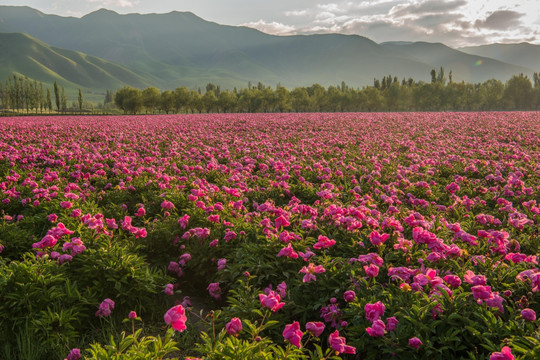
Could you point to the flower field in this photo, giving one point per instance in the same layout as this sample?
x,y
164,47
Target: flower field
x,y
303,236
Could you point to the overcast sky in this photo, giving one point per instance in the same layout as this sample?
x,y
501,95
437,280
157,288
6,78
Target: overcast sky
x,y
453,22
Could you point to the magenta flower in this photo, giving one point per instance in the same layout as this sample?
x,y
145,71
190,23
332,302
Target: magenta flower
x,y
337,343
349,296
234,326
376,329
288,251
371,270
324,243
315,327
282,221
140,212
378,239
176,317
183,221
169,289
505,354
453,280
528,314
132,315
481,292
293,334
74,354
214,290
167,205
310,272
374,311
105,308
391,323
221,264
415,342
271,301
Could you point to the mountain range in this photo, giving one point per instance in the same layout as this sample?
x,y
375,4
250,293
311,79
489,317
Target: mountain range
x,y
106,50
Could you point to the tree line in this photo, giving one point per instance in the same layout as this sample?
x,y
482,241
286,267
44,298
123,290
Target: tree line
x,y
21,94
386,94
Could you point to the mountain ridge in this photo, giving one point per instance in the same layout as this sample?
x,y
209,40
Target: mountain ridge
x,y
182,49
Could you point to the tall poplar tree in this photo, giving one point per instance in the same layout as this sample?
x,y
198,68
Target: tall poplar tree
x,y
57,96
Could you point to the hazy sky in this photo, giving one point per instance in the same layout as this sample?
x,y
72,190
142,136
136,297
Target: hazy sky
x,y
453,22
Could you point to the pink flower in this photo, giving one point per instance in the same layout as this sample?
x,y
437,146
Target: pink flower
x,y
378,239
528,314
376,329
140,212
213,218
214,290
105,308
293,334
374,311
481,292
282,221
221,264
111,223
337,343
167,205
176,317
74,354
310,270
505,354
371,270
391,323
288,251
415,342
234,326
323,243
52,217
183,221
271,301
169,289
132,315
349,296
453,280
452,187
315,327
65,204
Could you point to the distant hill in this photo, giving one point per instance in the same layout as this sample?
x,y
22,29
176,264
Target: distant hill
x,y
523,54
25,55
179,48
465,67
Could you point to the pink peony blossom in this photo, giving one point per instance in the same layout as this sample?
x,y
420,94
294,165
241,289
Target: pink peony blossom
x,y
377,329
271,301
415,342
337,343
293,334
176,317
234,326
315,327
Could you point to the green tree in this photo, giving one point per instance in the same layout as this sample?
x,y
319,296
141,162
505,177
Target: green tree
x,y
181,98
80,100
57,96
300,99
209,101
519,93
491,94
48,100
63,100
129,100
167,101
226,101
151,98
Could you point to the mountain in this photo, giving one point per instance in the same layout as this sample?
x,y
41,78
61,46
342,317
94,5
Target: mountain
x,y
25,55
180,48
523,54
465,67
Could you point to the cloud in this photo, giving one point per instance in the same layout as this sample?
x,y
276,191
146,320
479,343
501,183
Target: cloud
x,y
296,12
116,3
427,7
274,28
500,20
